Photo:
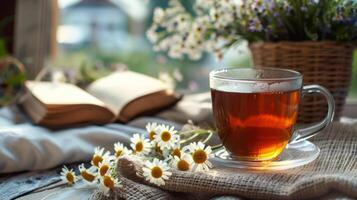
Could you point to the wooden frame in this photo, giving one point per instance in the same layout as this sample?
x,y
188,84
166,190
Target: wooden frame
x,y
35,33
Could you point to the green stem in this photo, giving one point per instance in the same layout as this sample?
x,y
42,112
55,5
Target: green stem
x,y
196,133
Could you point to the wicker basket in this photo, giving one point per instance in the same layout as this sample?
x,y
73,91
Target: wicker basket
x,y
325,63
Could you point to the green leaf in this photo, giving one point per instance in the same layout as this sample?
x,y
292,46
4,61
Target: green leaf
x,y
17,79
312,36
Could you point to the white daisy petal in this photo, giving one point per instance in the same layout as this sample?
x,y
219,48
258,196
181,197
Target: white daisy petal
x,y
156,172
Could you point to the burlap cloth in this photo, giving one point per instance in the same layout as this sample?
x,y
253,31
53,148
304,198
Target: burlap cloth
x,y
334,171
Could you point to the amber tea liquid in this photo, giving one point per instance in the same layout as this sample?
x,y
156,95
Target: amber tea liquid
x,y
255,126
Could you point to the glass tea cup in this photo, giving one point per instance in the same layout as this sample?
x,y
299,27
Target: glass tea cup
x,y
255,110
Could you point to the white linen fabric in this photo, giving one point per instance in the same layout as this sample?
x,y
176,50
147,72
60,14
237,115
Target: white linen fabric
x,y
28,147
196,107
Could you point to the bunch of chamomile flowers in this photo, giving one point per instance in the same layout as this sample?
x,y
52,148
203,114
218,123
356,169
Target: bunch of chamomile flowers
x,y
160,150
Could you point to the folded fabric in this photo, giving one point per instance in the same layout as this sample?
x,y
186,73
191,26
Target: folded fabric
x,y
195,107
27,147
335,169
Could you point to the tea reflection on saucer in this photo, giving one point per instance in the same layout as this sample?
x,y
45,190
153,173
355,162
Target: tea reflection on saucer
x,y
294,155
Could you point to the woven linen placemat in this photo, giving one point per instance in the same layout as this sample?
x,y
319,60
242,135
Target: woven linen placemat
x,y
335,170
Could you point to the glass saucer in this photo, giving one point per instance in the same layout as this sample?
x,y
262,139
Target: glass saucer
x,y
294,155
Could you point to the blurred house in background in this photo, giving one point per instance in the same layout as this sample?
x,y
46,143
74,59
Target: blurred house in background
x,y
98,24
104,25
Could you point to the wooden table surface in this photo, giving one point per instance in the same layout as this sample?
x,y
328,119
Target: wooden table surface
x,y
15,185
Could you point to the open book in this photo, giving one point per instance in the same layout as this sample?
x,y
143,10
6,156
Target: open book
x,y
120,96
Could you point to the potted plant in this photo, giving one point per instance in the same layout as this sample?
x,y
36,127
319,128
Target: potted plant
x,y
314,37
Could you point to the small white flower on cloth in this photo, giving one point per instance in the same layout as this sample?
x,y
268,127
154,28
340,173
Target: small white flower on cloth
x,y
140,145
88,175
175,150
200,155
183,163
167,137
120,150
108,183
99,156
106,165
156,172
68,176
153,129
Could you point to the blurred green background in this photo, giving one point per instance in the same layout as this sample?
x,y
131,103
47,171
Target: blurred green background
x,y
90,47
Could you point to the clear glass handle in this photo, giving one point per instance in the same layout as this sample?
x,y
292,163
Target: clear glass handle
x,y
308,132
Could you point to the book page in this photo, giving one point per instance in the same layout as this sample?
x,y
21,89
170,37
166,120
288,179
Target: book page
x,y
61,94
122,87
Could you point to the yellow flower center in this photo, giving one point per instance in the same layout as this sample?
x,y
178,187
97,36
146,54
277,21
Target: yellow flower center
x,y
108,182
156,172
165,136
96,160
199,156
70,177
139,147
176,152
103,170
152,135
118,153
87,176
183,165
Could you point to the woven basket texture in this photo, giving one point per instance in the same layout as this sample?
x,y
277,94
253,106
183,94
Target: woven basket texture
x,y
325,63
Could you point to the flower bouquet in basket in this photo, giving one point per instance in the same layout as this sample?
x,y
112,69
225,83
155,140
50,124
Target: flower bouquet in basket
x,y
314,37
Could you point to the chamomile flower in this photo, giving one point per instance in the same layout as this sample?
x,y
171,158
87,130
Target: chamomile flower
x,y
174,151
140,145
108,183
105,165
156,172
120,150
159,15
88,175
151,34
167,137
68,176
184,163
255,25
258,5
152,129
99,156
200,155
